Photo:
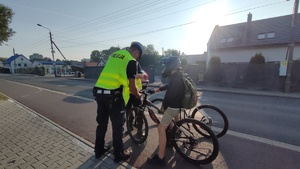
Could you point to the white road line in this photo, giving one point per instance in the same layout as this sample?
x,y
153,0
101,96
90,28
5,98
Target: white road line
x,y
48,90
264,140
229,132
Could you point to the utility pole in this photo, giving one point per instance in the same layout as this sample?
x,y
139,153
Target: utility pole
x,y
291,48
52,51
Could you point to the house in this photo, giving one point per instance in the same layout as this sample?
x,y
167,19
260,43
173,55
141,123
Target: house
x,y
1,64
101,63
61,67
16,61
239,42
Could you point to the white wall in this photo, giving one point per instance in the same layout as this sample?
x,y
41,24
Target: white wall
x,y
20,62
244,55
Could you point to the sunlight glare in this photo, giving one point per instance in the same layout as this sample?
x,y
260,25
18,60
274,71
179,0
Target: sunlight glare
x,y
206,17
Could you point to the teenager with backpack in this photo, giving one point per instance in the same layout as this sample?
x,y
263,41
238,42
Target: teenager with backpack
x,y
171,104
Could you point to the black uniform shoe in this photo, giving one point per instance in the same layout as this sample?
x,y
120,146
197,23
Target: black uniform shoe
x,y
106,148
155,160
122,156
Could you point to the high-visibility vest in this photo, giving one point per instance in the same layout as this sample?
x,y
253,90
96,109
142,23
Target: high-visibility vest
x,y
114,75
138,83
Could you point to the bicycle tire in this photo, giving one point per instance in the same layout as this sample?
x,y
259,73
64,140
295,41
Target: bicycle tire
x,y
186,145
137,125
158,103
219,121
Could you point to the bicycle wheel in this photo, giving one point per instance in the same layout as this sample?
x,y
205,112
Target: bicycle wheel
x,y
193,146
158,103
137,125
212,117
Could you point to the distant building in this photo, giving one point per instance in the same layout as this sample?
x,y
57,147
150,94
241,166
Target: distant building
x,y
89,64
101,63
61,67
85,60
1,64
15,62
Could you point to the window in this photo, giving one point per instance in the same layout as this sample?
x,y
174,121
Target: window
x,y
229,39
22,59
270,35
25,65
261,36
223,40
19,65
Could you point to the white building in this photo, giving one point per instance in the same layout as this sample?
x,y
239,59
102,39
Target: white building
x,y
15,62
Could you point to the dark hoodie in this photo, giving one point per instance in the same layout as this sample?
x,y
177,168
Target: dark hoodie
x,y
175,91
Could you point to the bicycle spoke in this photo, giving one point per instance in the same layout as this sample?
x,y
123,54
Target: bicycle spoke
x,y
192,145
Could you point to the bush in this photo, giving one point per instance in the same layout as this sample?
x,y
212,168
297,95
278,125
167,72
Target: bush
x,y
215,60
258,58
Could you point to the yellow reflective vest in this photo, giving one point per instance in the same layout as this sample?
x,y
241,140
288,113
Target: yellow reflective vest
x,y
114,75
138,83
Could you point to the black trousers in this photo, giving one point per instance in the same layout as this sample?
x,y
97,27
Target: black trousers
x,y
109,106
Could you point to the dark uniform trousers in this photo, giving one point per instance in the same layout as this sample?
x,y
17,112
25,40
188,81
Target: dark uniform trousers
x,y
110,106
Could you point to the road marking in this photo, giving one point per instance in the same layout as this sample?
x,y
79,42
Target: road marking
x,y
49,90
229,132
264,140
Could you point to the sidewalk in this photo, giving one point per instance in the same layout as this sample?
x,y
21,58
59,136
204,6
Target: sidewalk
x,y
29,140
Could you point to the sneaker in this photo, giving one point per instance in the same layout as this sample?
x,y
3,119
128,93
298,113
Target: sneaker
x,y
155,160
106,148
122,156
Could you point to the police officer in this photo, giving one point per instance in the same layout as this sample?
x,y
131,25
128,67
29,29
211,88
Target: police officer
x,y
112,89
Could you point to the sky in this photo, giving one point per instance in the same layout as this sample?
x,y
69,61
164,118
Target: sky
x,y
78,27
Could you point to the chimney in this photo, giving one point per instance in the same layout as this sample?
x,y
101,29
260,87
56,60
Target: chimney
x,y
249,19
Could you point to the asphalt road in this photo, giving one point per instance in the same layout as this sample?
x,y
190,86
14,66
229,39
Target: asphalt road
x,y
258,137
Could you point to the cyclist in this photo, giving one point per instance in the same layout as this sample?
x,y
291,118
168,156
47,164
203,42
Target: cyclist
x,y
171,105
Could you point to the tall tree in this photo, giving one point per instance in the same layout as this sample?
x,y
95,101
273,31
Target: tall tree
x,y
35,56
6,15
95,56
173,52
105,53
150,56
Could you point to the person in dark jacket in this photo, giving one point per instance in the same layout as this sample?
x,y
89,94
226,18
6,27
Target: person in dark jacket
x,y
171,105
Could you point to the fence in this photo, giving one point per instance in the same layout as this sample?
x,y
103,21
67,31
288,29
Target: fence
x,y
236,75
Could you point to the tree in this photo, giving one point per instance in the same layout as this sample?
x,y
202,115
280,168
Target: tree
x,y
258,58
150,56
173,52
95,56
5,19
215,60
105,53
47,59
2,59
35,56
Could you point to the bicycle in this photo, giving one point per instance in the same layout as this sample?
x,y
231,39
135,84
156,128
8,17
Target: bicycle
x,y
194,146
208,114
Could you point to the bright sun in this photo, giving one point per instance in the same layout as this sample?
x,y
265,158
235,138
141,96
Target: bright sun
x,y
197,34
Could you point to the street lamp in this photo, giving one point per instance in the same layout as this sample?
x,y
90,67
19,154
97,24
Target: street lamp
x,y
12,47
52,51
